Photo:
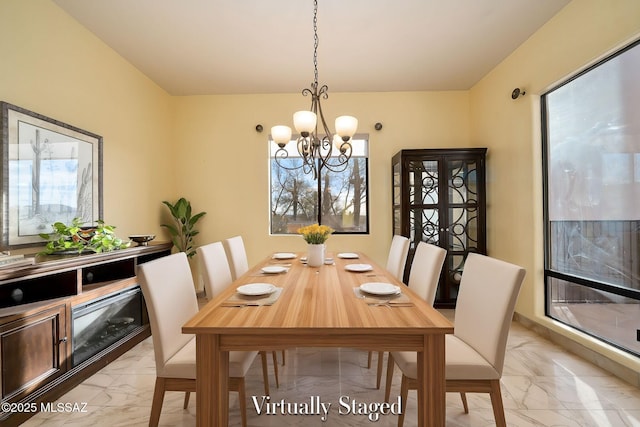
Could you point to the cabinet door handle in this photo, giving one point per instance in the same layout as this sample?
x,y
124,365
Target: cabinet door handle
x,y
63,339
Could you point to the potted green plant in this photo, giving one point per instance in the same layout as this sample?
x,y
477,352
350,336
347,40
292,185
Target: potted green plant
x,y
183,230
76,238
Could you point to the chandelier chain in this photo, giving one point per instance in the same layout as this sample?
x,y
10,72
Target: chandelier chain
x,y
315,41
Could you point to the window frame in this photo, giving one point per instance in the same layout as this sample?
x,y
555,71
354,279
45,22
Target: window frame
x,y
550,273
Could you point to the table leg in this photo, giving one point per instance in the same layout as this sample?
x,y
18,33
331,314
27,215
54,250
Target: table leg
x,y
431,382
212,382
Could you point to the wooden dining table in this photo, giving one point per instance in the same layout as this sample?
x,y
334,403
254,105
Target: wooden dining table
x,y
317,307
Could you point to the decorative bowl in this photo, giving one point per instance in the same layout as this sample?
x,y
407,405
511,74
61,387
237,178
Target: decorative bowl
x,y
142,239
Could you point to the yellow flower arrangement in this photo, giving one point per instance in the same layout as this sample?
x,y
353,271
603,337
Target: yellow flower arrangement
x,y
315,234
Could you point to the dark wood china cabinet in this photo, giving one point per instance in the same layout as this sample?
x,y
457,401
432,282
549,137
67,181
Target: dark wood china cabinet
x,y
439,198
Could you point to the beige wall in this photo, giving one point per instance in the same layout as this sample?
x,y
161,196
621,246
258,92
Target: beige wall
x,y
581,32
158,147
223,167
53,66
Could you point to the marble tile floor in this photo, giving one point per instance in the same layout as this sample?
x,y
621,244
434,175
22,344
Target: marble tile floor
x,y
542,385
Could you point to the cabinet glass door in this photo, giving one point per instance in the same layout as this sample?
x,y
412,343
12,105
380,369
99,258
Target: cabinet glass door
x,y
397,198
424,212
462,230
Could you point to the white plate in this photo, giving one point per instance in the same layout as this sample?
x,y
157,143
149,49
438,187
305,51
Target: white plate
x,y
358,267
348,255
256,289
284,255
274,269
380,288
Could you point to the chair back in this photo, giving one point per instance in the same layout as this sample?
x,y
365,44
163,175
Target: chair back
x,y
237,256
398,256
167,286
214,268
425,270
484,310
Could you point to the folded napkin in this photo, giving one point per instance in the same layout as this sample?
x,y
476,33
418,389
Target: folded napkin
x,y
397,299
239,300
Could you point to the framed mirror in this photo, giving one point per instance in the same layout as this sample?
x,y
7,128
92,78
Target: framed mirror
x,y
51,171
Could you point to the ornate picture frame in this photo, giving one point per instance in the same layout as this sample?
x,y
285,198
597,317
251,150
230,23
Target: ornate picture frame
x,y
51,171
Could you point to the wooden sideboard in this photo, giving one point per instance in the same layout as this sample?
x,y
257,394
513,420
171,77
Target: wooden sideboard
x,y
64,318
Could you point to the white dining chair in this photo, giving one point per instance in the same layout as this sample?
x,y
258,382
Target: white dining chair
x,y
214,268
216,276
396,261
474,356
424,276
397,257
239,263
237,256
169,293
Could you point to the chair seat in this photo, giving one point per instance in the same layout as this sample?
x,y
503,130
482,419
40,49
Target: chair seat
x,y
182,364
462,362
465,363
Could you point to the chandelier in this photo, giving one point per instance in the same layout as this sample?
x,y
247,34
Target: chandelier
x,y
317,151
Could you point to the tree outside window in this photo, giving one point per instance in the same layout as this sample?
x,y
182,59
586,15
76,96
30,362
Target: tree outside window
x,y
337,199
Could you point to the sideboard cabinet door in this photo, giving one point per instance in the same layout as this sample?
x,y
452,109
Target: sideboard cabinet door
x,y
34,351
439,198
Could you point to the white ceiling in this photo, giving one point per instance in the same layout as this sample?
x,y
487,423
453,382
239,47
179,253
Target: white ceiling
x,y
198,47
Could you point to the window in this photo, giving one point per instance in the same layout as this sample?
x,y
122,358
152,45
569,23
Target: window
x,y
337,199
591,155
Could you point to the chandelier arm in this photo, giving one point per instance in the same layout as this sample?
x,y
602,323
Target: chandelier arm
x,y
324,149
315,104
341,166
303,147
345,149
310,167
281,155
323,92
306,149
